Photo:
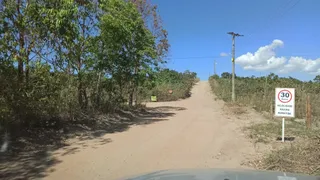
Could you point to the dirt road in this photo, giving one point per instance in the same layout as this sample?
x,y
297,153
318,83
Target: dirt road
x,y
199,134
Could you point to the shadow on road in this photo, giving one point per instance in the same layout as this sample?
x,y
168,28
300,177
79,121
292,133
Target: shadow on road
x,y
30,152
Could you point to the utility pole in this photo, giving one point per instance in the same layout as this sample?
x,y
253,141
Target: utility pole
x,y
214,68
233,63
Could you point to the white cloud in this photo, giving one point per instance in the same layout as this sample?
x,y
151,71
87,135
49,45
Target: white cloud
x,y
265,59
223,54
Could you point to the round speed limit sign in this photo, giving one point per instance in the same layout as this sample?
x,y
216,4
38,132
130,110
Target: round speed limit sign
x,y
284,102
284,96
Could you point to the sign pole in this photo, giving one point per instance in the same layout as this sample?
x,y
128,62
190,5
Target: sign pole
x,y
284,105
283,122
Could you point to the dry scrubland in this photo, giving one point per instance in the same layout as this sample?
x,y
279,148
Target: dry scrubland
x,y
77,68
302,153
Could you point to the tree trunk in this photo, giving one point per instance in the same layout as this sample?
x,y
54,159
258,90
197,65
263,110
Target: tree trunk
x,y
21,46
82,94
27,71
31,45
131,94
80,100
98,90
134,85
136,95
85,95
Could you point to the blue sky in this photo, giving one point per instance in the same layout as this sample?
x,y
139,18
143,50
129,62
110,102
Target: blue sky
x,y
199,29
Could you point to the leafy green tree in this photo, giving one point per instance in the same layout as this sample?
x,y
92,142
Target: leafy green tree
x,y
61,58
215,76
127,42
273,76
317,79
18,34
153,22
179,83
23,41
226,75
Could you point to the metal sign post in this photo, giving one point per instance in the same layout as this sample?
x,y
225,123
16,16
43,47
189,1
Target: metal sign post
x,y
283,122
284,105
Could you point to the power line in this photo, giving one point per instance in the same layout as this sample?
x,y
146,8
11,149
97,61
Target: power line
x,y
217,57
280,12
290,8
200,57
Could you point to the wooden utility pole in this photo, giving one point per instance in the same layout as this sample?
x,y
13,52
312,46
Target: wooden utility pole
x,y
233,63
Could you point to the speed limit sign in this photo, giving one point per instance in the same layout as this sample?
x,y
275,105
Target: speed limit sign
x,y
284,99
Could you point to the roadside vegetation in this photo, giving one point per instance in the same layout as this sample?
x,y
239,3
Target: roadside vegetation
x,y
179,83
259,92
73,62
78,69
302,154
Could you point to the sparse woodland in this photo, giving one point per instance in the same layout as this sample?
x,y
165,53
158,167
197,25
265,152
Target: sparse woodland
x,y
63,61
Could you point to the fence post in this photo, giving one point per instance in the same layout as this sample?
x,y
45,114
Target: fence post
x,y
271,109
308,112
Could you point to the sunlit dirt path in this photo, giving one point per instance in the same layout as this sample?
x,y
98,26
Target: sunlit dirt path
x,y
196,133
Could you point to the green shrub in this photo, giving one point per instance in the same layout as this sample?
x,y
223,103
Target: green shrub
x,y
179,83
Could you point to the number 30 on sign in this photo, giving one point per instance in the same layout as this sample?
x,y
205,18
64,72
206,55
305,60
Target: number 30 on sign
x,y
284,102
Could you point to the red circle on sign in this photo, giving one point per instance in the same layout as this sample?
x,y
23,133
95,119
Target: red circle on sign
x,y
285,101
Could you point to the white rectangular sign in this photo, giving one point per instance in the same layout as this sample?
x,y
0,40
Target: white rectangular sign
x,y
284,99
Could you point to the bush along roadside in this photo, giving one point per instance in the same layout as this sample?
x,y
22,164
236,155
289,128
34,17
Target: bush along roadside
x,y
170,85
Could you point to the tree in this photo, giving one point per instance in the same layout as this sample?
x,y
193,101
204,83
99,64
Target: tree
x,y
79,49
153,22
19,34
273,76
67,57
126,48
317,79
226,75
215,76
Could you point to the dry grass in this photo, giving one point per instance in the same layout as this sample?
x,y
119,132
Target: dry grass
x,y
271,130
259,93
263,133
302,155
236,109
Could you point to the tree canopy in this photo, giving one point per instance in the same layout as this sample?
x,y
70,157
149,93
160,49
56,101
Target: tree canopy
x,y
62,57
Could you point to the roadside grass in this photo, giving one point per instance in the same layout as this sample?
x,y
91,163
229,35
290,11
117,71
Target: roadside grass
x,y
264,132
301,154
271,131
236,109
302,157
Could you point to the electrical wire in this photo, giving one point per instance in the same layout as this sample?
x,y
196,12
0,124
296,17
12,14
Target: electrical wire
x,y
200,57
288,10
219,57
280,12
